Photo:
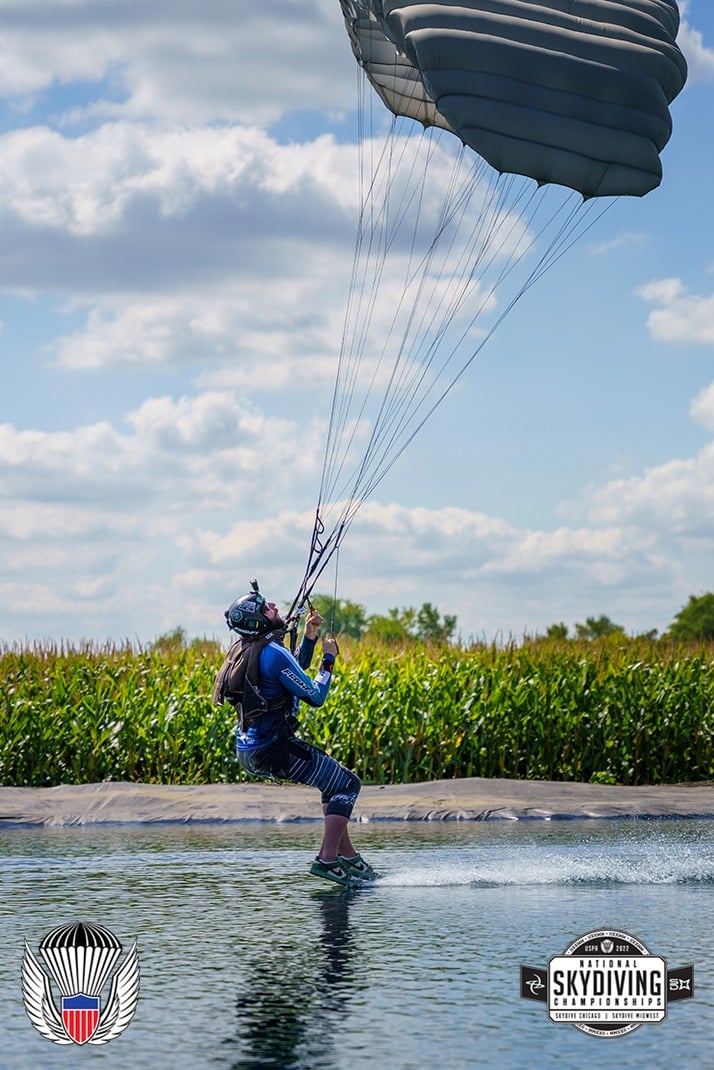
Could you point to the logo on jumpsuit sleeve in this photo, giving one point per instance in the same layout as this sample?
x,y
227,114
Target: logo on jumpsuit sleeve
x,y
80,959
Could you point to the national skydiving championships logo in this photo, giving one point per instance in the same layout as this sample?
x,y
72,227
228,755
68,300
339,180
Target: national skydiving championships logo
x,y
607,984
80,958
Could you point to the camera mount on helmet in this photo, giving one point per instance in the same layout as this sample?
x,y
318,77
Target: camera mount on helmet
x,y
245,615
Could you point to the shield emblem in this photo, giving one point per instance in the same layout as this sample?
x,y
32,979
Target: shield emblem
x,y
80,1015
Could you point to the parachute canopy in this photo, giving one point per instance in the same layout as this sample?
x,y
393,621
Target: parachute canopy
x,y
558,107
573,92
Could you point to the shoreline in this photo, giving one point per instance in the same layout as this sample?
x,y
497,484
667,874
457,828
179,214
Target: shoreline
x,y
470,799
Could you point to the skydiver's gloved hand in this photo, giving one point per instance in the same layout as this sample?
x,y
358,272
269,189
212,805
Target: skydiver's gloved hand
x,y
312,623
330,647
330,650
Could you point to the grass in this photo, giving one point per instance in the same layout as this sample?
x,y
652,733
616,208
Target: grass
x,y
621,711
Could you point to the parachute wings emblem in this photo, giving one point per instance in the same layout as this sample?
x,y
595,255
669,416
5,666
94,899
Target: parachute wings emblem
x,y
40,1006
123,997
80,957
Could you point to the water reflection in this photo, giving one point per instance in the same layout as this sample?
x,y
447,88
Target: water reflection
x,y
294,994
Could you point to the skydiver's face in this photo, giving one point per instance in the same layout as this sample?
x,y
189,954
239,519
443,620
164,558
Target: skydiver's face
x,y
270,612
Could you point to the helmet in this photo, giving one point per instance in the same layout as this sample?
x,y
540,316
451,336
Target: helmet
x,y
245,615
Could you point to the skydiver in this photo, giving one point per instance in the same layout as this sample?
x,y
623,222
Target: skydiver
x,y
266,683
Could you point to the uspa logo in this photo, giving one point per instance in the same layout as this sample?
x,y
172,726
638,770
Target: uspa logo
x,y
80,958
607,984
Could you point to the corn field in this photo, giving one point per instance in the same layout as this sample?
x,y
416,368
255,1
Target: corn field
x,y
628,712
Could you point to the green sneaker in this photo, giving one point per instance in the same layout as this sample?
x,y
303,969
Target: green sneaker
x,y
358,868
332,871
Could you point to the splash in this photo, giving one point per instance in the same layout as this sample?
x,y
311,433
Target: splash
x,y
618,864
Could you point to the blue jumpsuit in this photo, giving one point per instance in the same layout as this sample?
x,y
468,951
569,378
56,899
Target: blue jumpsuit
x,y
269,749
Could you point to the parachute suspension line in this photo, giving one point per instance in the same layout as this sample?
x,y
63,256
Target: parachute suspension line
x,y
484,233
320,552
467,274
359,340
402,411
348,362
574,234
492,232
425,273
366,225
340,391
493,238
569,233
334,593
399,371
351,355
457,200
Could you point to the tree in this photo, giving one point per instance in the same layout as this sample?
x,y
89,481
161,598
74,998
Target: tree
x,y
557,631
347,618
389,629
170,642
176,640
598,628
425,625
695,620
430,627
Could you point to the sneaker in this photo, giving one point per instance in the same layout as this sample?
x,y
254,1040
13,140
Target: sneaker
x,y
357,867
332,871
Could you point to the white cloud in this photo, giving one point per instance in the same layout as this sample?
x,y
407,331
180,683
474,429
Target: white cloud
x,y
221,513
702,408
175,60
699,56
203,452
242,330
626,238
682,316
216,246
672,499
86,185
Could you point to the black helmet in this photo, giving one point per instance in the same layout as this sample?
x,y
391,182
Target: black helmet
x,y
245,615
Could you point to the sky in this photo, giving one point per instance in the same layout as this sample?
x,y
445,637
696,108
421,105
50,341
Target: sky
x,y
177,223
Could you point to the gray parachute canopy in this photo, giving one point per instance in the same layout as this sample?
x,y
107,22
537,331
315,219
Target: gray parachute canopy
x,y
572,92
558,107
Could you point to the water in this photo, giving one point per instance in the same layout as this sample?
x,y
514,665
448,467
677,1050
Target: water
x,y
246,962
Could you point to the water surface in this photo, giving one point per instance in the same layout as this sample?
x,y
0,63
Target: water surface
x,y
247,962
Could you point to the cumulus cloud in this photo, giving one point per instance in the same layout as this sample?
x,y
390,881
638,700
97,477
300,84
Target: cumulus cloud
x,y
217,246
129,207
627,237
87,184
681,316
393,549
702,408
174,60
205,451
104,511
673,499
700,57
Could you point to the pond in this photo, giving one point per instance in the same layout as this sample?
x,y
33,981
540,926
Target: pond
x,y
248,962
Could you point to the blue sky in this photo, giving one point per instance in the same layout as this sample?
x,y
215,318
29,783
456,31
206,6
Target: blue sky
x,y
177,217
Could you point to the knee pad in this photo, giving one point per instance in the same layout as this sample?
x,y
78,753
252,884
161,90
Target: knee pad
x,y
343,799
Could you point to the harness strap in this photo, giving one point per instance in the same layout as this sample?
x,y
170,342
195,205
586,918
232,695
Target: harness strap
x,y
237,681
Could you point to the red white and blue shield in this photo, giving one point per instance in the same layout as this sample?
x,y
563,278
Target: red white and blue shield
x,y
80,1015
